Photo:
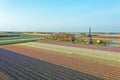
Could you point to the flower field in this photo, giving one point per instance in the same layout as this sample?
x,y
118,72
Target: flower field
x,y
20,67
77,61
3,76
103,48
112,58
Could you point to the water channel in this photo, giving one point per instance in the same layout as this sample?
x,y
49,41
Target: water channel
x,y
19,39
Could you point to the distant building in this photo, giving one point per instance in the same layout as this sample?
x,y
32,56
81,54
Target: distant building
x,y
63,37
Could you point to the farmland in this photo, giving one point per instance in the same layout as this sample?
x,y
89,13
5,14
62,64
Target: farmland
x,y
20,67
112,58
3,76
59,40
93,62
103,48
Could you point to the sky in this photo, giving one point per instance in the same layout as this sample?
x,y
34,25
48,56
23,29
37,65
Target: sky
x,y
60,15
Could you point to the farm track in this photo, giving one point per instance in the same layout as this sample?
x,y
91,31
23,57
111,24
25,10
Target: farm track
x,y
21,67
100,70
103,48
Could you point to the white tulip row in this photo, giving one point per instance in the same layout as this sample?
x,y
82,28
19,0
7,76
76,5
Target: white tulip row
x,y
114,56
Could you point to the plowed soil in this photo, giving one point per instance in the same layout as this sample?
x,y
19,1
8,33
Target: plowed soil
x,y
97,69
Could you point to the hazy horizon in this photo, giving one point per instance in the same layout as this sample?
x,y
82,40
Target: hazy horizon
x,y
60,15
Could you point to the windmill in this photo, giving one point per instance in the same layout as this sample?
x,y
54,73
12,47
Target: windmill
x,y
89,37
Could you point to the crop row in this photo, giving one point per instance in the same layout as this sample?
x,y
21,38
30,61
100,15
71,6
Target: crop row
x,y
97,69
3,76
22,67
103,48
113,58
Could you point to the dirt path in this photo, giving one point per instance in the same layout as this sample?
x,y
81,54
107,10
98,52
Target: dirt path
x,y
100,70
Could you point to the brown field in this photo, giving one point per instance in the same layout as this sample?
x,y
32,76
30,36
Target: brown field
x,y
97,69
106,37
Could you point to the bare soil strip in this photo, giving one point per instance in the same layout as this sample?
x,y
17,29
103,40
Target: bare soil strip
x,y
97,69
103,48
